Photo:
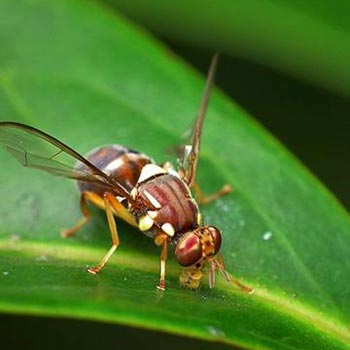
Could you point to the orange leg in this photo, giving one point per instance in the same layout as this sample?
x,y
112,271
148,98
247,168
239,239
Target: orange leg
x,y
114,234
219,263
120,210
203,199
95,199
162,239
85,196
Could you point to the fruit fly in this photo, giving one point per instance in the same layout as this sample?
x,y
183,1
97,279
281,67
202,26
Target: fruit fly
x,y
128,184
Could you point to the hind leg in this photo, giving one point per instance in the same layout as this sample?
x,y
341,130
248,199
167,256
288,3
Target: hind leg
x,y
85,196
203,199
114,234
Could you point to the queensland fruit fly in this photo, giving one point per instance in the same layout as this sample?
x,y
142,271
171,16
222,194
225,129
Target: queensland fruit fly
x,y
156,199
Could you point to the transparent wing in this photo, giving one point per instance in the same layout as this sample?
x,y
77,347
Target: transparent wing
x,y
36,149
188,153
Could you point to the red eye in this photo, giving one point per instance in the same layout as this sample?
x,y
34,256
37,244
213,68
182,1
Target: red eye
x,y
217,238
189,249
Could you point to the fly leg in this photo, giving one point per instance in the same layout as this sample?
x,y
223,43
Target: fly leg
x,y
114,234
97,200
203,199
190,278
162,240
85,196
219,263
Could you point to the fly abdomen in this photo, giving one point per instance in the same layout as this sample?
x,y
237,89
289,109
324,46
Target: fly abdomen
x,y
176,210
120,163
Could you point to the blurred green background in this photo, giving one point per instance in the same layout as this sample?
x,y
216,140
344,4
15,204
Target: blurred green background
x,y
298,89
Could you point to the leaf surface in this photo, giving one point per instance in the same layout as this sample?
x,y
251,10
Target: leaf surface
x,y
85,75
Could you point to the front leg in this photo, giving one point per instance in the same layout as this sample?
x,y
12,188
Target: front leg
x,y
190,278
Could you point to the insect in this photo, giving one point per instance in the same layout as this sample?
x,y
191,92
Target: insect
x,y
156,199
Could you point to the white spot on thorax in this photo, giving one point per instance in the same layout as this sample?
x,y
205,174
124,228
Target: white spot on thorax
x,y
152,214
153,200
168,229
145,223
150,170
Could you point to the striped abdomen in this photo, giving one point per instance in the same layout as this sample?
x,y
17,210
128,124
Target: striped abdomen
x,y
172,201
120,163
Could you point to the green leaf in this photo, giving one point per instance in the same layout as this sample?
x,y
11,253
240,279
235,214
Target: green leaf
x,y
306,39
85,75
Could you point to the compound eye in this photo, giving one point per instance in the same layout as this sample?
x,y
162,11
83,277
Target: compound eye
x,y
189,249
217,238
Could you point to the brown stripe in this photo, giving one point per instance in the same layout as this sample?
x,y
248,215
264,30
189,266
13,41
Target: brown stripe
x,y
184,201
177,206
178,193
162,192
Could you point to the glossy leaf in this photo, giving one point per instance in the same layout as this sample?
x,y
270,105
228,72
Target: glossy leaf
x,y
82,73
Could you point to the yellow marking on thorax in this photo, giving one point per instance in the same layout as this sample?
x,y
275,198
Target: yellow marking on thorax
x,y
123,213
